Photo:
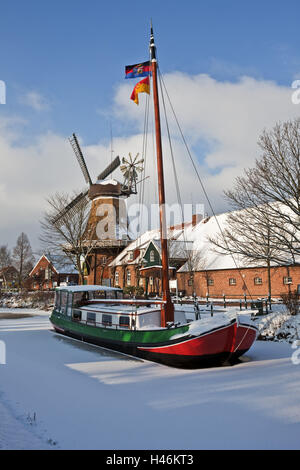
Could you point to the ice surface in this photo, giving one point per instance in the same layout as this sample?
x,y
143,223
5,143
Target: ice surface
x,y
85,397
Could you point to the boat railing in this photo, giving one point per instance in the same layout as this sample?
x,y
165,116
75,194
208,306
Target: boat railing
x,y
137,302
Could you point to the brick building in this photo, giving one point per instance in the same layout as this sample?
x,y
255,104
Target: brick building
x,y
216,274
234,283
51,271
140,263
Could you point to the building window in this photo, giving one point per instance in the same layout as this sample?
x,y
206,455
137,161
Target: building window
x,y
130,256
151,280
104,260
210,281
152,256
287,280
258,281
128,278
190,282
106,320
117,278
232,281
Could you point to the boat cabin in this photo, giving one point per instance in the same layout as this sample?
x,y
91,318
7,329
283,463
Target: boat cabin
x,y
105,307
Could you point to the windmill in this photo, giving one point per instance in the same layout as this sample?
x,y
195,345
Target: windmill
x,y
107,220
130,170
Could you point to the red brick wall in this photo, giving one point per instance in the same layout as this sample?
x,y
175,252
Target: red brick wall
x,y
244,282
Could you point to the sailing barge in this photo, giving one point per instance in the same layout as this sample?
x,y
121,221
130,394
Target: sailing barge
x,y
99,315
151,329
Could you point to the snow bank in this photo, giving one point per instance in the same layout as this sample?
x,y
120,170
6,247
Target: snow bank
x,y
36,300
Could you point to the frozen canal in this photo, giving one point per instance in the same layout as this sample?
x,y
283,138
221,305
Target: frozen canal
x,y
58,393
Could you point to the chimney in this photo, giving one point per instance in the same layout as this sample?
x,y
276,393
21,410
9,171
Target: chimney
x,y
196,219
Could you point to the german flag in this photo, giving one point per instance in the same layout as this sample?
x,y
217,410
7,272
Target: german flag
x,y
138,70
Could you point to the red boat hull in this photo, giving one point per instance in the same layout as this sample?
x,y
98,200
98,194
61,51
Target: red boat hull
x,y
245,335
209,349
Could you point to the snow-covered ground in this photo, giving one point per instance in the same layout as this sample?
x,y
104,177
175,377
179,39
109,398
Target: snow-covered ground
x,y
58,393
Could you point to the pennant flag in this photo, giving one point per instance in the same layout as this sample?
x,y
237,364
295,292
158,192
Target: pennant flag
x,y
138,70
141,87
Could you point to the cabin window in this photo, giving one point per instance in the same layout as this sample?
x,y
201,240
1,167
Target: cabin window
x,y
76,314
80,298
287,280
124,321
210,281
110,294
152,256
100,294
57,299
63,304
119,294
106,319
258,281
232,281
91,317
128,278
69,304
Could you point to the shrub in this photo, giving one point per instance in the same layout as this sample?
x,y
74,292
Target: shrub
x,y
291,301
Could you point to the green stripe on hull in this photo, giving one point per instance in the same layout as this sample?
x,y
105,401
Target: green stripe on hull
x,y
127,336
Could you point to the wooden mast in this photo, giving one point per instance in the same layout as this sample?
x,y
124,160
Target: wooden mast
x,y
167,310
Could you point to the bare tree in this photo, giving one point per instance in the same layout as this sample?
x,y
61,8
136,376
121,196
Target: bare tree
x,y
68,231
273,187
264,227
5,261
196,262
22,258
252,235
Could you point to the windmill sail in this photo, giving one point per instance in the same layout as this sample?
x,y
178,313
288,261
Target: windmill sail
x,y
77,150
109,169
74,206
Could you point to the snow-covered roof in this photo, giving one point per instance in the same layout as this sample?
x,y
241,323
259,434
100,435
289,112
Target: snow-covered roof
x,y
60,264
86,288
195,238
140,243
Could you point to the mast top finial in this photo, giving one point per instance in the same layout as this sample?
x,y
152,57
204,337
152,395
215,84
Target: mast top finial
x,y
152,45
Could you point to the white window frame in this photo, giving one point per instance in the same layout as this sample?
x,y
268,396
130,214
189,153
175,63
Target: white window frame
x,y
152,256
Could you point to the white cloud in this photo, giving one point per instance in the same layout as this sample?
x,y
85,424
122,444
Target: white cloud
x,y
35,100
221,121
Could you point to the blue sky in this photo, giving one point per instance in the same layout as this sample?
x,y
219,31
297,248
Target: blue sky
x,y
229,67
73,52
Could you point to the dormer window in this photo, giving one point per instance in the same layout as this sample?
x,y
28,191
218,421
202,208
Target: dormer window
x,y
130,256
152,256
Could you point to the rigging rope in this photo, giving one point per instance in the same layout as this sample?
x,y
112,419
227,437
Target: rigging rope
x,y
202,185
